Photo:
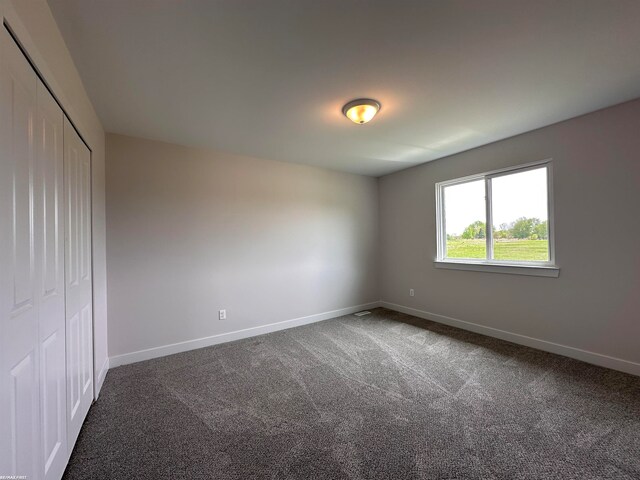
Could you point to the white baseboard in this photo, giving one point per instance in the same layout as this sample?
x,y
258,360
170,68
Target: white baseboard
x,y
164,350
572,352
101,376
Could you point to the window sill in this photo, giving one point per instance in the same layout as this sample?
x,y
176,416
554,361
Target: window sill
x,y
512,269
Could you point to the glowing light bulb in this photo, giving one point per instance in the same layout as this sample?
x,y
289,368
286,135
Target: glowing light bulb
x,y
361,111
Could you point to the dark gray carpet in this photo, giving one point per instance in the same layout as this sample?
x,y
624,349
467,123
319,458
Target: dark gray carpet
x,y
386,396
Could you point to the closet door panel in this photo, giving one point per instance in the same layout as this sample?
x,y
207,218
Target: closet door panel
x,y
19,353
50,256
78,280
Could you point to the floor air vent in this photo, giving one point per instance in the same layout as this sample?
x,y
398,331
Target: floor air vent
x,y
361,314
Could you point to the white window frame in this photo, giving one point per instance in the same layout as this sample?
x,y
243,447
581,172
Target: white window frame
x,y
536,268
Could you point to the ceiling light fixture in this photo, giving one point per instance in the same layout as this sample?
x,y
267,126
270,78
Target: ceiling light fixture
x,y
361,110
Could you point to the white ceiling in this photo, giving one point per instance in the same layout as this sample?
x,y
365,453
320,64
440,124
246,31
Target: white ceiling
x,y
269,78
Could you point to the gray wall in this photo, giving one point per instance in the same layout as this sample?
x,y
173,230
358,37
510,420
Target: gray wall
x,y
190,232
595,303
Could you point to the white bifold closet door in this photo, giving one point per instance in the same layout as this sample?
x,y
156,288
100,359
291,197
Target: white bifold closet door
x,y
32,300
46,342
78,280
50,241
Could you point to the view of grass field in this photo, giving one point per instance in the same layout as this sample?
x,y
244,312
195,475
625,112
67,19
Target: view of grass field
x,y
519,228
504,249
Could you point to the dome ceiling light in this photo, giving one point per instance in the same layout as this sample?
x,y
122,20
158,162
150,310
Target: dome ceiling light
x,y
361,111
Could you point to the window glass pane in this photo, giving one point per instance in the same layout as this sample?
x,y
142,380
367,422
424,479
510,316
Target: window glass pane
x,y
520,216
465,220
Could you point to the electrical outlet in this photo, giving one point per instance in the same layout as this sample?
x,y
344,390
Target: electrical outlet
x,y
411,292
222,314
